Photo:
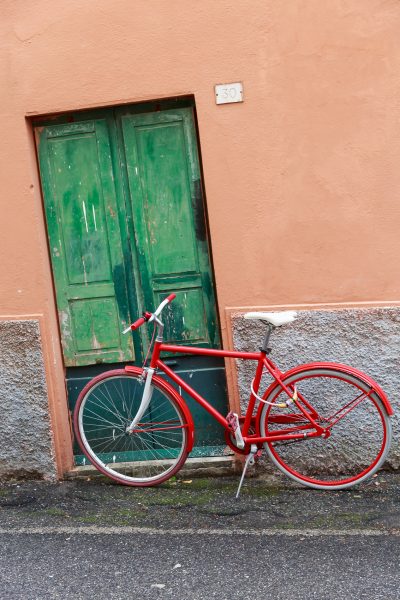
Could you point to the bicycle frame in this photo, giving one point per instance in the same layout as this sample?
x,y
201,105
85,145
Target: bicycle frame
x,y
305,430
262,362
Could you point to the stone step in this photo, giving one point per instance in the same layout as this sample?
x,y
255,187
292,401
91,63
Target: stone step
x,y
193,467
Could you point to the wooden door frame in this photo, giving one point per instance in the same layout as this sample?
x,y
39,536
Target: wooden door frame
x,y
49,324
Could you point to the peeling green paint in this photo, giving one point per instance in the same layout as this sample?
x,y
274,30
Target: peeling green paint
x,y
80,203
168,212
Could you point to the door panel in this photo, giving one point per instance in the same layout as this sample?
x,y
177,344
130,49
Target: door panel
x,y
197,371
166,202
85,244
189,309
165,193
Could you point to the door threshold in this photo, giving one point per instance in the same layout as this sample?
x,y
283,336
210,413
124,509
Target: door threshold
x,y
207,466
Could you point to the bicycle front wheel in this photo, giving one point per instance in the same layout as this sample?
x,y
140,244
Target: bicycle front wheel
x,y
153,452
358,429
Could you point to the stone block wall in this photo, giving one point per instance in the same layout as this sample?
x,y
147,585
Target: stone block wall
x,y
26,448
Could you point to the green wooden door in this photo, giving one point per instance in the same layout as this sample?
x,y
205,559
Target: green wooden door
x,y
165,194
126,227
85,241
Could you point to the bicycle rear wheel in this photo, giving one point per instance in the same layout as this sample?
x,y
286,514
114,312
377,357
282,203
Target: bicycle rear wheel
x,y
153,452
359,429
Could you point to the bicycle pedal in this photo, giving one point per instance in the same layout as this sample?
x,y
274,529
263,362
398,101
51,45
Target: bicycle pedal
x,y
233,420
234,426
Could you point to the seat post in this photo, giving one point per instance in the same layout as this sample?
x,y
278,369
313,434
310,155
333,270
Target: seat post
x,y
264,347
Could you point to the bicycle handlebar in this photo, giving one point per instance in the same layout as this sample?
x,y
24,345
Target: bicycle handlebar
x,y
150,316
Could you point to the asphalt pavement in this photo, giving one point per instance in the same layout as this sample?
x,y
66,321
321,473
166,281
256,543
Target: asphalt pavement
x,y
191,539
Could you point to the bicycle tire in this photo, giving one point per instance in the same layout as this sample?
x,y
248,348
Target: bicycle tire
x,y
156,449
359,440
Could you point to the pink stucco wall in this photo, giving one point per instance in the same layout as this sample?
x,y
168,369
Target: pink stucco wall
x,y
302,179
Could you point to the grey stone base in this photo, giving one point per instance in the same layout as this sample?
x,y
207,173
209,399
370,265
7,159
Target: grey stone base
x,y
367,339
26,445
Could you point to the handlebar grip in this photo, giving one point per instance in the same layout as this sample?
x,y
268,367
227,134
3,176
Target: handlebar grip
x,y
171,297
138,323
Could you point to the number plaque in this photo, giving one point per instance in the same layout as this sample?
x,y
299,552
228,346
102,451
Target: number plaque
x,y
226,93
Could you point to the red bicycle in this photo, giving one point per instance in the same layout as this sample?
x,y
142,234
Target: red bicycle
x,y
325,425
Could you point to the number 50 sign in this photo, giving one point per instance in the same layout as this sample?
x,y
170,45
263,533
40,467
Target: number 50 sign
x,y
228,92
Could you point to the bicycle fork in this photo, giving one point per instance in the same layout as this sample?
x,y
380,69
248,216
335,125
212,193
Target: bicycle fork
x,y
146,397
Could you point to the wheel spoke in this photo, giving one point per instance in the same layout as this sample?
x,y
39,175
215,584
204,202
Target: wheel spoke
x,y
344,410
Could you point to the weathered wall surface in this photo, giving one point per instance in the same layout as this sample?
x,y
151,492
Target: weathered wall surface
x,y
366,339
26,448
299,177
302,178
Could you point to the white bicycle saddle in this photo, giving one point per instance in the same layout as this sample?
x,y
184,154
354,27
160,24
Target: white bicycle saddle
x,y
277,319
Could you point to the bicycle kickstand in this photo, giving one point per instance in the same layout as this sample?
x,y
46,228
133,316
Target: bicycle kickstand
x,y
249,461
